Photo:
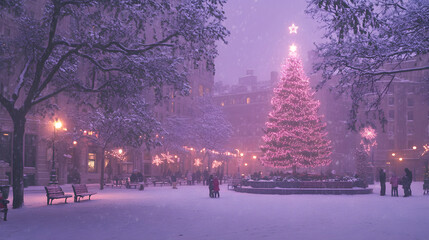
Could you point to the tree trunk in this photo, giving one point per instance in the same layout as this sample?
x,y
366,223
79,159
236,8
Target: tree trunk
x,y
18,160
209,164
102,170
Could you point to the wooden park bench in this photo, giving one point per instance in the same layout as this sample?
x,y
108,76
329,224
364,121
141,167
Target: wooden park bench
x,y
80,191
134,185
3,207
55,192
162,183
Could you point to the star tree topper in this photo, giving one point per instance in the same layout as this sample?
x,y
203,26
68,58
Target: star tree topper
x,y
293,29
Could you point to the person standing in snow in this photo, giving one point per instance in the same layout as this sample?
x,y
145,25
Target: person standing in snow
x,y
407,183
211,186
174,181
205,177
394,183
216,187
382,182
189,178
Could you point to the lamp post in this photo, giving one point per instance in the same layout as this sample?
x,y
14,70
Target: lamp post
x,y
53,175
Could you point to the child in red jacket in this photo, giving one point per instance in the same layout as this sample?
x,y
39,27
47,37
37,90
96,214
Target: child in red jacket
x,y
216,187
394,183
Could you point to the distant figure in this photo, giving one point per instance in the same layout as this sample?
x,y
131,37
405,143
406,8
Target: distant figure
x,y
394,183
133,177
211,186
139,176
382,182
205,177
407,179
216,187
189,178
174,181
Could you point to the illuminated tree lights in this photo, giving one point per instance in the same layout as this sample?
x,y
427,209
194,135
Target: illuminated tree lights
x,y
295,134
368,140
216,164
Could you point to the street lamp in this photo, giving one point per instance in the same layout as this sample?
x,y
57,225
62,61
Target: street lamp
x,y
53,175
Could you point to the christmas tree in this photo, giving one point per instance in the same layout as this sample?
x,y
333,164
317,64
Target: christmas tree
x,y
295,134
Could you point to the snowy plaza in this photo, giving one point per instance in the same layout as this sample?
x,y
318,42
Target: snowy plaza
x,y
188,213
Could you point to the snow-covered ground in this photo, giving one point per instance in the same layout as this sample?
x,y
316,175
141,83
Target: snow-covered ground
x,y
188,213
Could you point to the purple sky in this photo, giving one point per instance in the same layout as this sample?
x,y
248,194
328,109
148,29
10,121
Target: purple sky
x,y
260,37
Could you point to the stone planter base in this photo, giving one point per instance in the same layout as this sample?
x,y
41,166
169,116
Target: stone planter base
x,y
289,191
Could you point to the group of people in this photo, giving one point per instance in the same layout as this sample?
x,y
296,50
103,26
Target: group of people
x,y
213,183
405,181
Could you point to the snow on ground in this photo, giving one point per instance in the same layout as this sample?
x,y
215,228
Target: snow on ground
x,y
188,213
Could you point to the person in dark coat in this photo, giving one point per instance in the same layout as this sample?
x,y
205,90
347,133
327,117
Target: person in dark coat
x,y
174,181
133,177
382,182
205,177
407,184
211,186
216,188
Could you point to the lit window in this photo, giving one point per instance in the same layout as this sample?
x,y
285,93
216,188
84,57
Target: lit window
x,y
91,162
6,147
222,104
201,91
248,100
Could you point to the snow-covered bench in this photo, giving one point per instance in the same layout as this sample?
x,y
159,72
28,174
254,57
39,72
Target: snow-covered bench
x,y
55,192
81,191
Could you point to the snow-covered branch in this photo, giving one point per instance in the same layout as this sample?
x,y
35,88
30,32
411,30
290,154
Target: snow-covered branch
x,y
21,80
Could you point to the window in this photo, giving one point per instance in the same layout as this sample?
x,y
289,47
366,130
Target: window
x,y
391,101
411,89
410,144
391,130
391,144
5,147
222,104
410,116
92,157
30,150
248,100
391,114
147,169
391,89
410,129
410,102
